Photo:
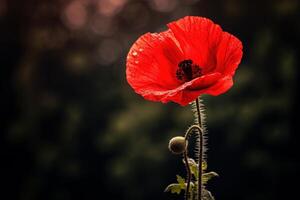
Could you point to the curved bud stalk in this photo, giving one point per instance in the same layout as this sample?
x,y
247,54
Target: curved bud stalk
x,y
196,177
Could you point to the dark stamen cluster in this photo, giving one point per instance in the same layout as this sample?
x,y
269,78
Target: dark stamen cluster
x,y
188,71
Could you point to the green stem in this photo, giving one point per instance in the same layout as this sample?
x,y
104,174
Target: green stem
x,y
200,160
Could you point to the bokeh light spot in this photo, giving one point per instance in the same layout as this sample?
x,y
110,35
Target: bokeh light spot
x,y
110,7
108,52
75,15
164,5
102,25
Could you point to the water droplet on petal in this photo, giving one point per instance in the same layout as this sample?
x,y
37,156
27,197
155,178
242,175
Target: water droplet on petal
x,y
134,53
136,62
140,50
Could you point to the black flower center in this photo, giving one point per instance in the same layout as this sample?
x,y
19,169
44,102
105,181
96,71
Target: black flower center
x,y
188,71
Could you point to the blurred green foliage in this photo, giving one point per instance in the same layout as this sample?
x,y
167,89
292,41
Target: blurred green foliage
x,y
74,129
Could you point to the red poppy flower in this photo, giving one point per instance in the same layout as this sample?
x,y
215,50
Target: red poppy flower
x,y
193,57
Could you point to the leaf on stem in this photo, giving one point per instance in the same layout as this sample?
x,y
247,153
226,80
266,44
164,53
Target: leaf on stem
x,y
207,176
177,187
194,167
173,188
180,180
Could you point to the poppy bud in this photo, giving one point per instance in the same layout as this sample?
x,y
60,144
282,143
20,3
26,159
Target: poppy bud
x,y
177,145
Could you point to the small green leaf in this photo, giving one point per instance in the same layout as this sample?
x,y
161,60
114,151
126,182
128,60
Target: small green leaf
x,y
176,187
207,176
194,167
180,180
173,188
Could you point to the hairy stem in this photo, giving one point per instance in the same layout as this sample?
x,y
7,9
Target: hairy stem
x,y
200,159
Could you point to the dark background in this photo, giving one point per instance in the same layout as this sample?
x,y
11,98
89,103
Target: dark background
x,y
72,128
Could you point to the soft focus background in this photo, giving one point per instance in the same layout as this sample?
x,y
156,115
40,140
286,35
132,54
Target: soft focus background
x,y
72,128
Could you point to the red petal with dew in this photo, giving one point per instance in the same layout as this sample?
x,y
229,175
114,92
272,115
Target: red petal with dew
x,y
153,60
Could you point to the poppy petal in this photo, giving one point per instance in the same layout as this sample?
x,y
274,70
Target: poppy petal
x,y
221,86
204,81
176,95
198,38
151,60
229,54
207,44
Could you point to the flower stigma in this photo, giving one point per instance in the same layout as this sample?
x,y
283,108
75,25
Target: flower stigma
x,y
187,71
